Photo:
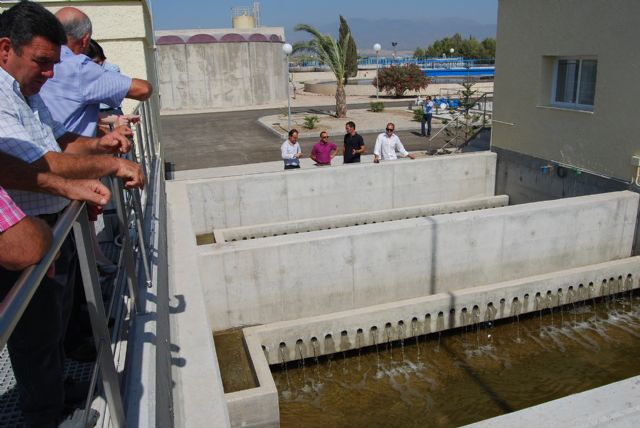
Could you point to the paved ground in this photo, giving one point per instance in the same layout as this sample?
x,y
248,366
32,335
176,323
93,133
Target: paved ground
x,y
233,138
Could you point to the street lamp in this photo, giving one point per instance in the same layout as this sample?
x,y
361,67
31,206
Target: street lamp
x,y
451,51
394,44
377,48
287,49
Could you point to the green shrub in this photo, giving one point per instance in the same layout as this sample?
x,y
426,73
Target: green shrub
x,y
418,114
310,121
376,106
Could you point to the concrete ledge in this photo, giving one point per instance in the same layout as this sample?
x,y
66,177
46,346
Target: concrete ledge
x,y
616,405
346,220
255,406
198,394
342,331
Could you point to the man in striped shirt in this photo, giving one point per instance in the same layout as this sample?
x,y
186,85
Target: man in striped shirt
x,y
79,85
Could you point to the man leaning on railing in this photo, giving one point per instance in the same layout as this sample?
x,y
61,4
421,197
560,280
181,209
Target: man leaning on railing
x,y
24,240
30,41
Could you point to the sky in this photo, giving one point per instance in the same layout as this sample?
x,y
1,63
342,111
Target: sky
x,y
183,14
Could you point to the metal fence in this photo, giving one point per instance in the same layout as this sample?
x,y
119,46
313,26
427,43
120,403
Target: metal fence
x,y
141,276
423,62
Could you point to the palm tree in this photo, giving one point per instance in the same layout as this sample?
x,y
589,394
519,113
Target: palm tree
x,y
333,54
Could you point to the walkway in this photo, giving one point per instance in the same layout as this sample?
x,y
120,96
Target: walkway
x,y
209,140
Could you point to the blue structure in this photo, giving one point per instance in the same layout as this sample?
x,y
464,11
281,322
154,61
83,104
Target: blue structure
x,y
432,67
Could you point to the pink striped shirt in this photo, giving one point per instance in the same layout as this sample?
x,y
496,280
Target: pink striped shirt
x,y
10,214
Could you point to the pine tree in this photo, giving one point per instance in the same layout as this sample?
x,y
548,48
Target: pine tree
x,y
352,53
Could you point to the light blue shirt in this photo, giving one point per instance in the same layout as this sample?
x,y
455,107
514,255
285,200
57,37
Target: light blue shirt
x,y
28,132
427,107
110,67
78,87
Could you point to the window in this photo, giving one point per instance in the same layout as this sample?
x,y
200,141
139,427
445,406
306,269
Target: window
x,y
574,83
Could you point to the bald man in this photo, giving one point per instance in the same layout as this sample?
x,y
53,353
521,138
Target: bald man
x,y
79,85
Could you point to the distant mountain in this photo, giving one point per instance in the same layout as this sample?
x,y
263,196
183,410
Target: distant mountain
x,y
409,34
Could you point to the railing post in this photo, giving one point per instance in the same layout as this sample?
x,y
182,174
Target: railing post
x,y
149,125
127,250
140,152
135,193
95,307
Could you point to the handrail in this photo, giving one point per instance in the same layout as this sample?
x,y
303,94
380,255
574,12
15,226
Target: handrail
x,y
18,298
456,118
133,221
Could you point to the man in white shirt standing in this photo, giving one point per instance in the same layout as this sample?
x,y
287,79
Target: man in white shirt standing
x,y
387,144
427,115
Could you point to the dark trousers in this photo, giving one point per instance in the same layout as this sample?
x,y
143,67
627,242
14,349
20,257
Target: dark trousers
x,y
426,118
36,345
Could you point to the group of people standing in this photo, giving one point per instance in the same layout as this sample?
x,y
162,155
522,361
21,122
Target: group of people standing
x,y
52,151
387,147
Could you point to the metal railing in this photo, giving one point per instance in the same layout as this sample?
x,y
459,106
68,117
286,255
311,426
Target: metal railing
x,y
423,62
140,218
480,107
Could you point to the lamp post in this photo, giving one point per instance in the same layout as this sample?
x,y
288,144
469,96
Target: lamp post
x,y
394,44
287,49
377,48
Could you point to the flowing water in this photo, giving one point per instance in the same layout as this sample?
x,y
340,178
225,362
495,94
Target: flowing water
x,y
463,377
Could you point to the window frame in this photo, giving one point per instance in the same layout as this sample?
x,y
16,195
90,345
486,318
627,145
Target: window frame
x,y
554,83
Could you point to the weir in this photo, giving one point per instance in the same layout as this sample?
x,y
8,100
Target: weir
x,y
312,279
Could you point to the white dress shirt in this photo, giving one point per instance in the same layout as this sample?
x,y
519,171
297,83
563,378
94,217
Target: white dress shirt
x,y
27,132
386,147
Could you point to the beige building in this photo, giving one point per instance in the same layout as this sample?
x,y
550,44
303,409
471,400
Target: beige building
x,y
566,97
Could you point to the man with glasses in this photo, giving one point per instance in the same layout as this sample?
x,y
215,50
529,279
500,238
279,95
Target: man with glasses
x,y
387,144
324,150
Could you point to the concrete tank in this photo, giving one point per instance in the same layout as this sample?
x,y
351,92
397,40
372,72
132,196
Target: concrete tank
x,y
243,21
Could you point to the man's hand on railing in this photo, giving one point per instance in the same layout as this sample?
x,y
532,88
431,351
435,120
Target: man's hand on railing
x,y
120,119
130,173
91,191
117,141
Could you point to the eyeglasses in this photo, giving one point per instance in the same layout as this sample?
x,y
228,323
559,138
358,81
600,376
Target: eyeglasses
x,y
324,137
389,129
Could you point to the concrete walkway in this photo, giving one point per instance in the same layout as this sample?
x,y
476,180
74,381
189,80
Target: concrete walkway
x,y
209,140
367,122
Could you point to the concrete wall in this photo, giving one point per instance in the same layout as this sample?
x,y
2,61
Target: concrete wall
x,y
424,315
205,75
528,179
347,220
284,196
530,34
293,276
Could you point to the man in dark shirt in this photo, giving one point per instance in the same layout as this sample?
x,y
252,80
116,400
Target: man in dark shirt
x,y
353,144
